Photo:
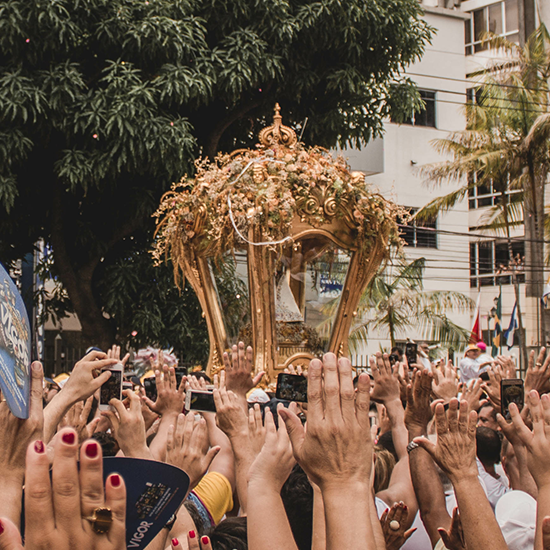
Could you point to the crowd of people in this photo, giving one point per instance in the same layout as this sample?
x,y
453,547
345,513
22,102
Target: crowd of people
x,y
413,456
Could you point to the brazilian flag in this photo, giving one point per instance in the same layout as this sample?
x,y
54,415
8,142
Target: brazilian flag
x,y
498,326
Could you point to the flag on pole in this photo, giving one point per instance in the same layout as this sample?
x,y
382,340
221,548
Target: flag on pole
x,y
476,335
509,332
498,326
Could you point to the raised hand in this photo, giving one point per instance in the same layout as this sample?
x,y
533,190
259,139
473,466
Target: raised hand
x,y
336,450
275,461
455,450
394,523
454,537
170,397
386,382
508,365
55,510
15,436
337,445
418,412
230,416
187,447
538,373
239,369
83,381
537,440
471,393
445,384
114,353
128,425
492,387
77,418
256,428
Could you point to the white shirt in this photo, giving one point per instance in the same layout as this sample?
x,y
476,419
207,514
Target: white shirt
x,y
469,369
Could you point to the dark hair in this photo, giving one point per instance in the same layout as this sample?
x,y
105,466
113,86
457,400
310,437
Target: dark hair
x,y
397,350
297,496
229,534
108,443
386,441
488,445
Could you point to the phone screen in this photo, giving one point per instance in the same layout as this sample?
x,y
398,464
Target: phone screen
x,y
111,389
150,385
411,352
292,387
202,401
511,391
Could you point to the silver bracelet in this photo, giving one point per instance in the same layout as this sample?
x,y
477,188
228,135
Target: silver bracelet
x,y
412,446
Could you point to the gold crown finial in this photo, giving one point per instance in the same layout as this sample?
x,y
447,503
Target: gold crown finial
x,y
277,133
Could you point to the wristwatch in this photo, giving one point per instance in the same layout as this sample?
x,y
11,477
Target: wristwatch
x,y
412,446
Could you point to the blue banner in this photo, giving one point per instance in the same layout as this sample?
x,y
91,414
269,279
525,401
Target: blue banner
x,y
15,348
154,492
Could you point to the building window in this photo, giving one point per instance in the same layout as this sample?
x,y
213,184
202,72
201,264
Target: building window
x,y
480,195
484,195
490,265
426,117
420,234
501,18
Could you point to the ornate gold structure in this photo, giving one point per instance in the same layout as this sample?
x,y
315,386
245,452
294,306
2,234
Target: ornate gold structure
x,y
286,205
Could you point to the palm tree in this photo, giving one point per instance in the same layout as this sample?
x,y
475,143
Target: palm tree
x,y
506,145
396,303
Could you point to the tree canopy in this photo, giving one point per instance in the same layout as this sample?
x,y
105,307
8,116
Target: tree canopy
x,y
104,103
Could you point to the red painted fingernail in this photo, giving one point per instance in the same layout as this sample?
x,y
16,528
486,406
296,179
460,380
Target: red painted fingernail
x,y
205,540
39,447
192,534
115,480
68,438
175,542
1,527
92,449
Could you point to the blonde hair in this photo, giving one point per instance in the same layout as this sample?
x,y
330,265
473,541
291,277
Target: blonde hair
x,y
383,468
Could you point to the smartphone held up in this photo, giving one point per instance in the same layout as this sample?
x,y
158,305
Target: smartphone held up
x,y
200,400
511,391
112,388
291,387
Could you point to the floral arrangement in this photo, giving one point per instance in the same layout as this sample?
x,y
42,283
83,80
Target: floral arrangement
x,y
267,188
147,358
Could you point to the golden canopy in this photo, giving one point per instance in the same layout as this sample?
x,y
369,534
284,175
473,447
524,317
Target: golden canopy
x,y
283,204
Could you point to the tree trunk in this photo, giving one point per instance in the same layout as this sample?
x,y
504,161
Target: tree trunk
x,y
96,329
534,244
524,356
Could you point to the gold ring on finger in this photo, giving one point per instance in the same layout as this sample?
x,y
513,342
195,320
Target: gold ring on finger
x,y
101,520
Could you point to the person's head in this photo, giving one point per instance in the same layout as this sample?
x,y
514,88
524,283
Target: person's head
x,y
297,496
488,444
424,348
108,443
472,351
482,346
397,351
486,417
383,468
229,534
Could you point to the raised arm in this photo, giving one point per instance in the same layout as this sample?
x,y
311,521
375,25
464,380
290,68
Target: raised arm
x,y
82,383
15,436
267,475
537,444
425,478
336,450
455,453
